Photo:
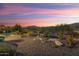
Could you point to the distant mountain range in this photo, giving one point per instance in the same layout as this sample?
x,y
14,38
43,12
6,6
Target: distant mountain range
x,y
75,24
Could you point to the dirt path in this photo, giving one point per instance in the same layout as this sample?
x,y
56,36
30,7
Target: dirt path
x,y
32,47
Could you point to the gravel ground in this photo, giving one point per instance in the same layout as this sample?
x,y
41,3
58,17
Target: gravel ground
x,y
30,47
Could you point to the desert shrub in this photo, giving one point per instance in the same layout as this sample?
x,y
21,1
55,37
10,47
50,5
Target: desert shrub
x,y
30,33
60,37
7,49
70,41
2,38
57,46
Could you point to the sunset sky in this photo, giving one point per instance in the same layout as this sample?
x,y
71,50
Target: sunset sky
x,y
39,14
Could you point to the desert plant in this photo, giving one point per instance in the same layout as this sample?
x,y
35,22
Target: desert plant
x,y
70,41
7,49
2,38
56,46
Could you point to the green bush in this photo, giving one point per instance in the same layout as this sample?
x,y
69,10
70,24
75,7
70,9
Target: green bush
x,y
56,46
70,41
7,49
2,38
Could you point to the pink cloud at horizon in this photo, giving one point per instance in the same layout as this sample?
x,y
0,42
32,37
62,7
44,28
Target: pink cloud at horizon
x,y
39,22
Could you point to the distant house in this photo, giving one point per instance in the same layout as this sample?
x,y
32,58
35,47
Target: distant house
x,y
53,37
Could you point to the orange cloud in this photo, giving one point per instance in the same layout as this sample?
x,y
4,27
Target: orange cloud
x,y
42,22
39,22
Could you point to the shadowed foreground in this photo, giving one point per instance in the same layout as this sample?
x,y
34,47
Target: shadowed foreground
x,y
30,47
